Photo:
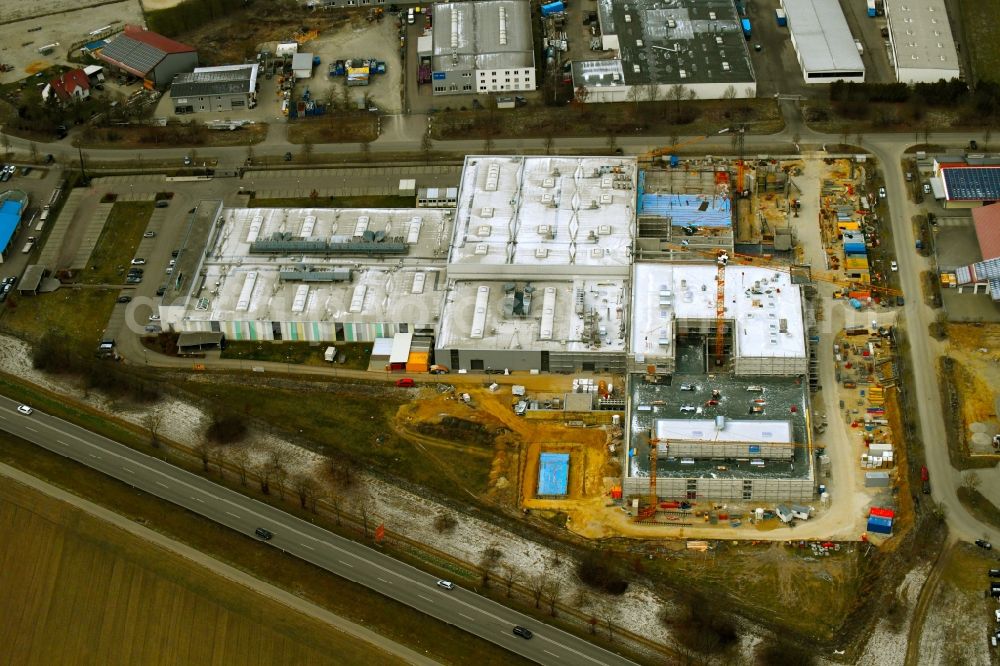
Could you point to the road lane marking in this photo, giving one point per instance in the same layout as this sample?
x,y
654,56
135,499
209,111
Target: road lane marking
x,y
552,653
425,598
130,471
59,441
162,484
93,456
304,545
384,581
467,617
230,513
198,499
30,428
346,564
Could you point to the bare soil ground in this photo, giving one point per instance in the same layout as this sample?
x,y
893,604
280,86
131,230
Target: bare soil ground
x,y
178,136
143,605
975,353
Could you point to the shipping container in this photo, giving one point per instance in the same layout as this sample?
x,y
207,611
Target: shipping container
x,y
880,525
779,15
551,8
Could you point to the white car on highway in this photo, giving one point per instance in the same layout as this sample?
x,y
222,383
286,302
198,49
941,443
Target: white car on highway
x,y
24,409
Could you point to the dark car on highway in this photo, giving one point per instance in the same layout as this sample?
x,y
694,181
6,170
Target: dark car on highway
x,y
263,534
522,632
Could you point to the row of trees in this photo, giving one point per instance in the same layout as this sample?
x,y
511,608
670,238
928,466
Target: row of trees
x,y
981,101
56,353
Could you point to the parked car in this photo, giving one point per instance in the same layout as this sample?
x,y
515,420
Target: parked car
x,y
161,291
154,317
687,409
405,382
138,261
983,543
927,188
149,234
187,160
124,299
24,409
162,203
973,145
49,159
288,157
893,266
522,632
4,174
881,193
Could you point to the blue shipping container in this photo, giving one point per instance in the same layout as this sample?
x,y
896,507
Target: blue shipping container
x,y
880,525
556,7
746,28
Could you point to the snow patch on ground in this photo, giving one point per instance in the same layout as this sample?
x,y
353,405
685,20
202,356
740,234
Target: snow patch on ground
x,y
638,610
886,647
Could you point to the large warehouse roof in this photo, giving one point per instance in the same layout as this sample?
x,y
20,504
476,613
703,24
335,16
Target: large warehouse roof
x,y
685,41
139,51
987,221
224,80
484,34
822,38
577,315
763,303
921,39
534,216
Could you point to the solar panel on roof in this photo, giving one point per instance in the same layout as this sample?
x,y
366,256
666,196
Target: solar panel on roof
x,y
972,184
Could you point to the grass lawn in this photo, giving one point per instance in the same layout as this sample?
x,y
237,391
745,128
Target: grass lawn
x,y
82,314
355,602
984,510
367,201
137,138
116,247
335,127
300,353
980,21
354,419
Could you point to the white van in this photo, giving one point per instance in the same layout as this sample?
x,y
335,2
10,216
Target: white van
x,y
409,16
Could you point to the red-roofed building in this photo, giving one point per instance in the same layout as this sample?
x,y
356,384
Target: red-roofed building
x,y
152,57
987,220
74,85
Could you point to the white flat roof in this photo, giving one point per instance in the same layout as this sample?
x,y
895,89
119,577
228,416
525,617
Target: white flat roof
x,y
761,301
821,36
704,430
569,215
426,230
475,316
921,37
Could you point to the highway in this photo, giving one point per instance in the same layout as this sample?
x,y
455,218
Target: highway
x,y
353,561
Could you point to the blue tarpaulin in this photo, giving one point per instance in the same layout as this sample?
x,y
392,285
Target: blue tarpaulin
x,y
553,474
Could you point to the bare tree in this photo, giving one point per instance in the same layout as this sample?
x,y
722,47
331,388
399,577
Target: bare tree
x,y
549,143
33,150
364,508
677,93
249,153
488,561
241,459
306,151
6,145
426,145
730,93
987,133
263,471
508,574
366,151
203,450
305,488
536,585
152,421
219,454
971,481
608,614
279,475
551,591
612,141
445,523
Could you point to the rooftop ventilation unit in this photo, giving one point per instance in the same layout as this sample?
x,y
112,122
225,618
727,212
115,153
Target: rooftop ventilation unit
x,y
549,182
548,313
301,296
413,233
492,177
479,314
546,231
358,298
362,226
484,230
711,16
255,225
604,230
596,253
308,225
683,74
725,66
243,303
718,39
541,252
482,249
418,283
486,212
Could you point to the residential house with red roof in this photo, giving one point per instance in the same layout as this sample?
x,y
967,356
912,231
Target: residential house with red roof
x,y
73,86
152,57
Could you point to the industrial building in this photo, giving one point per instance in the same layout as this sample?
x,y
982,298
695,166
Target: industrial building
x,y
697,45
215,89
13,204
823,42
539,264
149,56
966,181
763,332
922,46
309,274
482,46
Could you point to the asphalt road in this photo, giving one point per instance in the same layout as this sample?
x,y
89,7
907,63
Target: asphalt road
x,y
396,580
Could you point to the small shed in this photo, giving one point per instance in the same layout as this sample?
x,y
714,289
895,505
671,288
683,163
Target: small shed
x,y
31,279
302,65
193,341
784,513
553,474
400,354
